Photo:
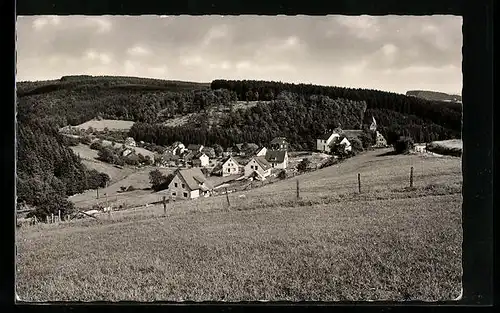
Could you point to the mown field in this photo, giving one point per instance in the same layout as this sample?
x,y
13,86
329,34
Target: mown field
x,y
387,243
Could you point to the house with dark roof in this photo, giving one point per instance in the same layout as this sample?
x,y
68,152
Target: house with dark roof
x,y
277,158
189,184
228,166
259,166
279,143
200,160
195,147
261,151
323,143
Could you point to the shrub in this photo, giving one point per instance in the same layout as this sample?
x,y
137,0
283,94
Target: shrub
x,y
85,139
282,174
96,145
356,144
403,145
303,165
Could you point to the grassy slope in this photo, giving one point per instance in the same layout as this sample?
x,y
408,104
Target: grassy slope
x,y
332,245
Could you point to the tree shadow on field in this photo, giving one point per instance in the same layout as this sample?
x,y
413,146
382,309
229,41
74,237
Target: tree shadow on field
x,y
392,152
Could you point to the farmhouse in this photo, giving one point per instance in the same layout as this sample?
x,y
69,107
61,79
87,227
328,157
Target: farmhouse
x,y
279,143
189,184
259,165
228,166
195,148
261,152
323,144
380,141
130,142
201,159
126,152
342,140
277,158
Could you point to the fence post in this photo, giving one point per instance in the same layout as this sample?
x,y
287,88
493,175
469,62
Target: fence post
x,y
411,177
298,190
97,192
227,198
164,206
359,182
59,215
51,218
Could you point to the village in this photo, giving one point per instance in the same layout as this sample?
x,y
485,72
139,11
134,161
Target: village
x,y
191,171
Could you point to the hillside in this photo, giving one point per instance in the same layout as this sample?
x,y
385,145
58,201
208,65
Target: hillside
x,y
434,95
333,244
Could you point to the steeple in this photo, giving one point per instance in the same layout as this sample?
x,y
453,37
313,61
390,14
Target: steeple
x,y
373,126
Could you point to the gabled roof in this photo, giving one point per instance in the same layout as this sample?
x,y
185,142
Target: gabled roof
x,y
352,133
239,146
193,178
252,146
275,156
229,158
327,135
199,155
278,140
262,162
194,147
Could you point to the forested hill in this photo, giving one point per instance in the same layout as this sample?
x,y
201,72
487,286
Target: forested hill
x,y
301,112
434,95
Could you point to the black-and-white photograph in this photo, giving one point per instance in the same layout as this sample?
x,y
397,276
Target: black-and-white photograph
x,y
238,158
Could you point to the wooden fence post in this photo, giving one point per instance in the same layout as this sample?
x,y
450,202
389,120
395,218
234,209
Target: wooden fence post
x,y
59,215
164,206
298,190
411,177
97,190
227,198
359,182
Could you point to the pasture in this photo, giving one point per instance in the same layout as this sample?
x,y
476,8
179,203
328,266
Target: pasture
x,y
388,243
112,125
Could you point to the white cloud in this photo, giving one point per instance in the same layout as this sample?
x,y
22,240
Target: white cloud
x,y
138,50
93,55
216,32
364,26
102,23
42,21
191,60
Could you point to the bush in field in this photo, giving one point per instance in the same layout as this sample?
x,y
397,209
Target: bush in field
x,y
158,180
403,145
85,139
282,174
96,145
303,165
356,144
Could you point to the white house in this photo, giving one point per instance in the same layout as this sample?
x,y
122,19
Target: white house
x,y
201,159
380,140
323,144
277,158
259,165
189,184
130,142
345,142
228,166
126,152
261,152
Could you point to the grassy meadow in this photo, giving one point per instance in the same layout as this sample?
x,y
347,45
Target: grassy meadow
x,y
390,242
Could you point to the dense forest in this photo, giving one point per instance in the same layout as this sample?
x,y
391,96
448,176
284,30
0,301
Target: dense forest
x,y
47,169
298,118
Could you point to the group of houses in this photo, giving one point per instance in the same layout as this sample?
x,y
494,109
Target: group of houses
x,y
191,183
341,137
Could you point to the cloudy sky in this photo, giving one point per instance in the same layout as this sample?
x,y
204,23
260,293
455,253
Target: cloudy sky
x,y
393,53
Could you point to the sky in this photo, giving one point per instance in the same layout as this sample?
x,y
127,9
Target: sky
x,y
391,53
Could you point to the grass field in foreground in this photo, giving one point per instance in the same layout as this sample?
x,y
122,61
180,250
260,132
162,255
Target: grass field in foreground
x,y
385,244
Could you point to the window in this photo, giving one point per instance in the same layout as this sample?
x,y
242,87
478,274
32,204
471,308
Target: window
x,y
183,186
251,166
185,195
229,170
174,194
175,185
